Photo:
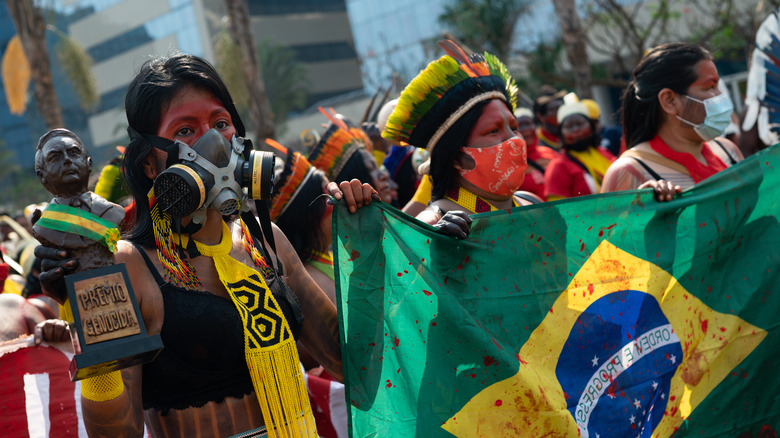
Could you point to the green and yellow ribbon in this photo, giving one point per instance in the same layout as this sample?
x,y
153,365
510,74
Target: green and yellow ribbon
x,y
73,220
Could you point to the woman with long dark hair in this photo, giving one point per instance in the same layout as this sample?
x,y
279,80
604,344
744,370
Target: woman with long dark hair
x,y
205,282
674,115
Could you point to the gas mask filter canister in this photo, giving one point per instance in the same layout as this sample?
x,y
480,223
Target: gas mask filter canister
x,y
213,174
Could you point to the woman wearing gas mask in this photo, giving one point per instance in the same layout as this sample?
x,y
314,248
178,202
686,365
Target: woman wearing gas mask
x,y
673,117
578,169
224,369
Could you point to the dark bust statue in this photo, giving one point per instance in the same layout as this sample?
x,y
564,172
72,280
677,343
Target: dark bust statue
x,y
63,166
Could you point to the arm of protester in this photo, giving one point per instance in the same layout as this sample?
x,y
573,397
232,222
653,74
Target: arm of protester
x,y
320,330
121,416
663,190
456,223
112,405
354,193
421,198
623,174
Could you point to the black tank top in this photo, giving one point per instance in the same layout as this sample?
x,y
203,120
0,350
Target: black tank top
x,y
203,355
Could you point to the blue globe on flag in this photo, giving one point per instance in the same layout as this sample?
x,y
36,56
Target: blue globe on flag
x,y
617,365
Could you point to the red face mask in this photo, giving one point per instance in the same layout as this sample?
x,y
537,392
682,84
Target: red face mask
x,y
499,169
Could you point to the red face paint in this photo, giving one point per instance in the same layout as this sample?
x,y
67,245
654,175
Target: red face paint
x,y
191,113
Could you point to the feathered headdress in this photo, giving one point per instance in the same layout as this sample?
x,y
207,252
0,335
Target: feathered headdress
x,y
762,97
337,145
294,174
445,90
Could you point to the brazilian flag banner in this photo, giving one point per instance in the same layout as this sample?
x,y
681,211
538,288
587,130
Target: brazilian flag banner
x,y
605,316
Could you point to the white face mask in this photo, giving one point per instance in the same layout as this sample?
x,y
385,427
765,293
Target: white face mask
x,y
718,111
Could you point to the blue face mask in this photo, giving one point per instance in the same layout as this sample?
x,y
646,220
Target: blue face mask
x,y
718,111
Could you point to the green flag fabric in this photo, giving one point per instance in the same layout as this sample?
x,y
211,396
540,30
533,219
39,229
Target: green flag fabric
x,y
605,316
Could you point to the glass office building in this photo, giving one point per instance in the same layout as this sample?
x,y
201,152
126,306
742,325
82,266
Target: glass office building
x,y
119,35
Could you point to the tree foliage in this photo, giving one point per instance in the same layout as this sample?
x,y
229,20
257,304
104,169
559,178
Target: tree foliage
x,y
78,66
542,65
260,115
228,61
286,79
484,25
28,19
623,31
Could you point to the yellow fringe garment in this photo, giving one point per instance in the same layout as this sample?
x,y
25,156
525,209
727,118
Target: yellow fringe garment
x,y
271,353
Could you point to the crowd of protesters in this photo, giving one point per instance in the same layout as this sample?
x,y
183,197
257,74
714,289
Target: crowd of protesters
x,y
432,152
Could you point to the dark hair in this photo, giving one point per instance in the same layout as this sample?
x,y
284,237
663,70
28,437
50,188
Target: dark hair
x,y
546,95
148,96
300,222
669,66
405,176
56,132
355,168
446,150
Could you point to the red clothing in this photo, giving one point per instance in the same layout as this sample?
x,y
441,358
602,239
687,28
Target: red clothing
x,y
538,157
547,138
566,178
696,169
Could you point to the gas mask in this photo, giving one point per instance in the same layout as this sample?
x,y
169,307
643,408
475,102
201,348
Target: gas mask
x,y
214,174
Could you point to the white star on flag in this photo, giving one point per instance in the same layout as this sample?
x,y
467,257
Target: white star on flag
x,y
663,396
633,419
673,359
595,360
637,404
655,385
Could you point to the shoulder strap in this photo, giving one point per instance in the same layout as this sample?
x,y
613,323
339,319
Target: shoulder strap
x,y
157,277
652,172
733,161
655,158
527,196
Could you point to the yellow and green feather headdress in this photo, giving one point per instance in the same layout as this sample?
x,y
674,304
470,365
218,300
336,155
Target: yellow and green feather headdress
x,y
445,90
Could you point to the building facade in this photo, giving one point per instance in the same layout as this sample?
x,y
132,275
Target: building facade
x,y
320,34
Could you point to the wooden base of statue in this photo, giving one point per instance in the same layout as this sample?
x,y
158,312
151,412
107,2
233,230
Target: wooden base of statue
x,y
108,331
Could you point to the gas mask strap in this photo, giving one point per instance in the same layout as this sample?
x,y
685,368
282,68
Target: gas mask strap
x,y
163,144
248,148
264,217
